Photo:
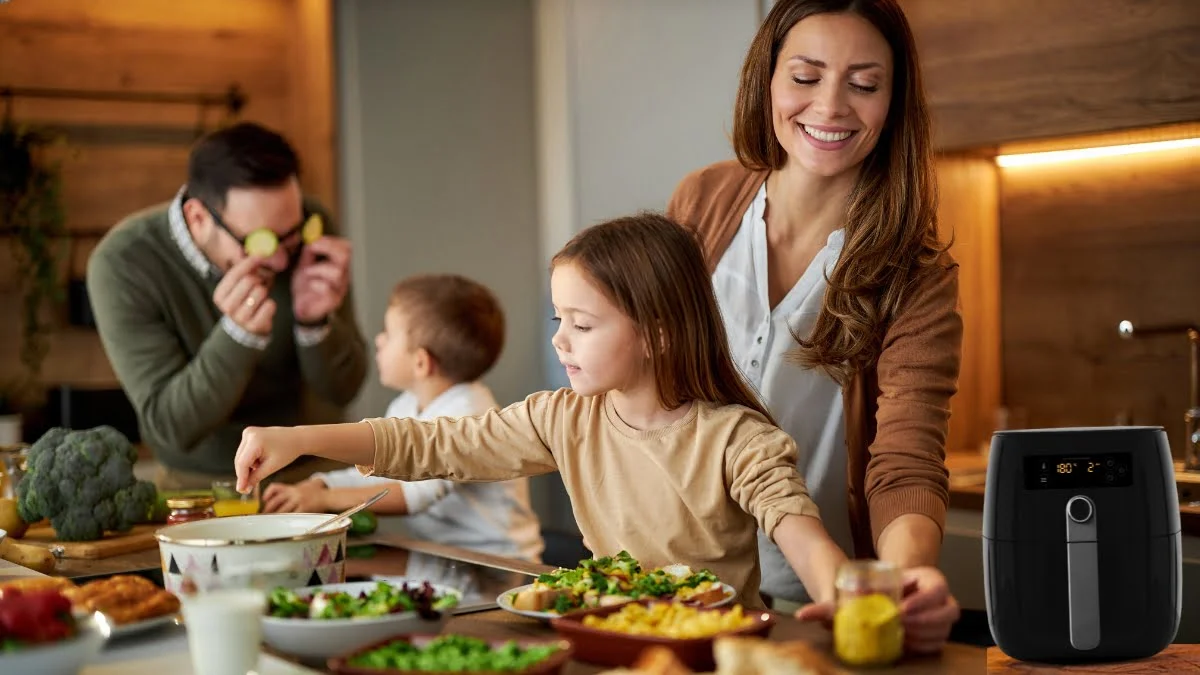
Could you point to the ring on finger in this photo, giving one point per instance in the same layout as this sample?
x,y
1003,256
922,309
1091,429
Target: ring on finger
x,y
250,301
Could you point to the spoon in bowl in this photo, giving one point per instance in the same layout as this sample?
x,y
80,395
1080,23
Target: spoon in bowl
x,y
349,512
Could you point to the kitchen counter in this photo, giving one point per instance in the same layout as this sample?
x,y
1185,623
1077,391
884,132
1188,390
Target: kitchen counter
x,y
968,475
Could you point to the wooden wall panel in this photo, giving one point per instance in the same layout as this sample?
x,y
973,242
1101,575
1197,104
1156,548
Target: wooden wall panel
x,y
124,156
967,211
1001,70
313,113
1085,245
104,183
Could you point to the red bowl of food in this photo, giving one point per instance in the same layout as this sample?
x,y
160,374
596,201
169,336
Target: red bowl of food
x,y
422,653
617,635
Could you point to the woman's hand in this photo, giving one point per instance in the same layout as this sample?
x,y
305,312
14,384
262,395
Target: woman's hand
x,y
928,610
263,451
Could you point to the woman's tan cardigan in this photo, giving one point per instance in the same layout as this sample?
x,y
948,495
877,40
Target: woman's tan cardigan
x,y
897,411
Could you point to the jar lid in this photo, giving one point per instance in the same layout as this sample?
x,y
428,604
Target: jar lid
x,y
190,502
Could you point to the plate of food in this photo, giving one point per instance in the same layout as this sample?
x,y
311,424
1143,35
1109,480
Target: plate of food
x,y
613,580
40,633
428,653
319,622
131,603
616,636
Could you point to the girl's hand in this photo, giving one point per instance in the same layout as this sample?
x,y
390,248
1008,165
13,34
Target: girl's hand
x,y
263,451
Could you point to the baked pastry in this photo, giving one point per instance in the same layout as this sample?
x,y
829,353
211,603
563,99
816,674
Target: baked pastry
x,y
123,598
37,584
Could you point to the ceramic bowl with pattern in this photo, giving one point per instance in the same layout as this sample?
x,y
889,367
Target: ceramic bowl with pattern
x,y
263,550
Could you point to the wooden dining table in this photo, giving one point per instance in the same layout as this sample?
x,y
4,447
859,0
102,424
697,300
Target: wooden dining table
x,y
390,557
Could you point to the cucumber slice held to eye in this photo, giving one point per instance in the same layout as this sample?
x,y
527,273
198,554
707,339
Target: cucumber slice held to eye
x,y
261,243
313,228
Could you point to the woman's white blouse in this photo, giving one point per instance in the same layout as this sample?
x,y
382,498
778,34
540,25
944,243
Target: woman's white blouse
x,y
806,403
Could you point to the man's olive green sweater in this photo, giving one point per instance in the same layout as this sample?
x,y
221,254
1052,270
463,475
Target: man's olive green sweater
x,y
196,381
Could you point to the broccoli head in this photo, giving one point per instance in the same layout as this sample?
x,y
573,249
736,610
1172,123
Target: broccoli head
x,y
83,482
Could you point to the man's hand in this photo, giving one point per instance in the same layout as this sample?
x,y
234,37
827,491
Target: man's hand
x,y
304,497
241,295
321,278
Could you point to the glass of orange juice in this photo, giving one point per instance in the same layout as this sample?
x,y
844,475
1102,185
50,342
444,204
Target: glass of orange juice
x,y
230,502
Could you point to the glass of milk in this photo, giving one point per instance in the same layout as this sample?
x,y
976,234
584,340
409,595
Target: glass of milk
x,y
224,629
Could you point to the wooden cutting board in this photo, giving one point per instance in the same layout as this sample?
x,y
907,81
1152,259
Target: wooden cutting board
x,y
140,538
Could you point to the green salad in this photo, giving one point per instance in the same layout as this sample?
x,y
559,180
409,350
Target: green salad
x,y
382,600
453,653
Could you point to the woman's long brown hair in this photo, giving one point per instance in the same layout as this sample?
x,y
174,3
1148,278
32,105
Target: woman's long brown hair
x,y
653,270
891,217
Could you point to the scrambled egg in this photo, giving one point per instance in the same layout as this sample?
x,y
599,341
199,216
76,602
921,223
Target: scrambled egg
x,y
671,620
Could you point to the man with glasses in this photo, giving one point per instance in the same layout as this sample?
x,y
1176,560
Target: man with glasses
x,y
228,307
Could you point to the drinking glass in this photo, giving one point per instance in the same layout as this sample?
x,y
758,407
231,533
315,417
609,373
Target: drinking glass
x,y
230,502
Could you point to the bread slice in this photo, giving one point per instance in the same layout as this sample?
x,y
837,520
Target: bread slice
x,y
535,599
757,656
708,597
660,661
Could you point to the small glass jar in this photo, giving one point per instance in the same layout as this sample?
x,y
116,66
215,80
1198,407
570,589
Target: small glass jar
x,y
867,627
189,508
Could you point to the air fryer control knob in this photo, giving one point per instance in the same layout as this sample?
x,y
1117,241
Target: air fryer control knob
x,y
1079,509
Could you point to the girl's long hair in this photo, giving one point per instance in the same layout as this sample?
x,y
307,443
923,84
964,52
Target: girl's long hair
x,y
653,270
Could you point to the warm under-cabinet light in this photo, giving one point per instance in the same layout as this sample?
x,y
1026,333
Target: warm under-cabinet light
x,y
1033,158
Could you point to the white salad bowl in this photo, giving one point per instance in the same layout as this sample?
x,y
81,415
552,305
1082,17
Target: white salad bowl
x,y
264,550
326,638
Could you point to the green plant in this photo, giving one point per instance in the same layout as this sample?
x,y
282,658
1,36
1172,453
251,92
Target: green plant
x,y
31,212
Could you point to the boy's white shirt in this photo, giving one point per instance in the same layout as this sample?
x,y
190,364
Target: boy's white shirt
x,y
493,518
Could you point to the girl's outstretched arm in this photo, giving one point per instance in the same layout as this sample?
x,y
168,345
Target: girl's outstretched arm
x,y
500,444
763,478
812,553
265,450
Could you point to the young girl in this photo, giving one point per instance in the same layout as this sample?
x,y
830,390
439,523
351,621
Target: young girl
x,y
664,450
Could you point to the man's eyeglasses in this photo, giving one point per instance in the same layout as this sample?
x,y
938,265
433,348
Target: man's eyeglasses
x,y
263,242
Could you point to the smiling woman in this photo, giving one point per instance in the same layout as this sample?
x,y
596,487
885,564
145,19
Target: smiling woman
x,y
839,300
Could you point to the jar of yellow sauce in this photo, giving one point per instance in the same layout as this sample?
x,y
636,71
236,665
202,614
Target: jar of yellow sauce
x,y
867,627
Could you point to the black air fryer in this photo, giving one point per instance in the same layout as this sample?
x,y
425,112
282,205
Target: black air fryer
x,y
1081,544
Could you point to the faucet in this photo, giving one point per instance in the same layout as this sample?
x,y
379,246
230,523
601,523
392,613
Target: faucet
x,y
1191,418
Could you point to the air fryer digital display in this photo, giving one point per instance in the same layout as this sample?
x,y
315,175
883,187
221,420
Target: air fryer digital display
x,y
1050,472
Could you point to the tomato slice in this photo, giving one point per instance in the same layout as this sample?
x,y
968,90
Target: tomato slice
x,y
262,243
